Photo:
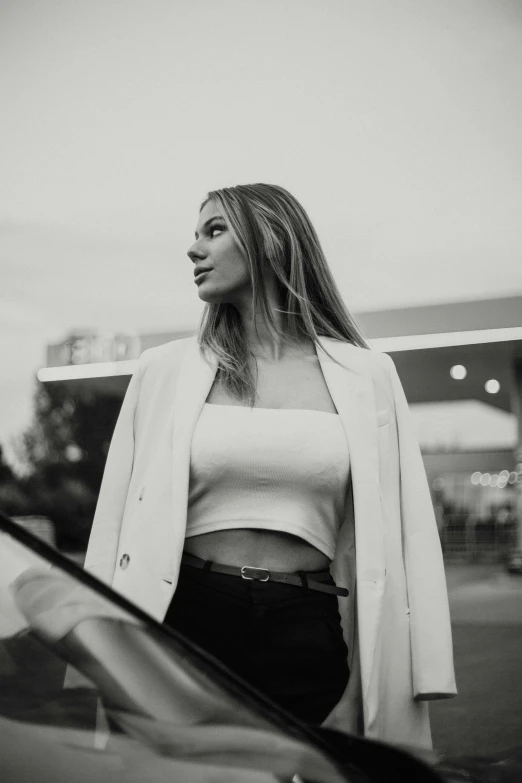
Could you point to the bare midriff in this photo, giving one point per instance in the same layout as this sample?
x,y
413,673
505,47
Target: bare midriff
x,y
270,549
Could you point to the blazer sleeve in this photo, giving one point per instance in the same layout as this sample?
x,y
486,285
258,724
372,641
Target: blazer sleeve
x,y
100,559
430,627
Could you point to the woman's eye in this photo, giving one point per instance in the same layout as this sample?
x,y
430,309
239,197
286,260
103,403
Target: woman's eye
x,y
215,228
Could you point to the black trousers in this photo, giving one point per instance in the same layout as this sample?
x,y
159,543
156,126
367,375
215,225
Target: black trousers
x,y
286,641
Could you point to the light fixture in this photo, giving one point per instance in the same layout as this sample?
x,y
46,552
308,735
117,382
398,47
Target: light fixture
x,y
492,386
458,372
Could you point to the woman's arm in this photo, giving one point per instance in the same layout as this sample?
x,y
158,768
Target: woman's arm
x,y
430,628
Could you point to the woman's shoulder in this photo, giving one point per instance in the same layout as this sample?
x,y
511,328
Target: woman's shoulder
x,y
154,363
168,352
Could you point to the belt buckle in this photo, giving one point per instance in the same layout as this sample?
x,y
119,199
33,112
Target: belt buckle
x,y
244,569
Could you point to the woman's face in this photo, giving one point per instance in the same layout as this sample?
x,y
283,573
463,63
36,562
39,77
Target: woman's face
x,y
225,277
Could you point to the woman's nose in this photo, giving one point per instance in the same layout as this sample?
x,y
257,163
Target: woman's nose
x,y
195,251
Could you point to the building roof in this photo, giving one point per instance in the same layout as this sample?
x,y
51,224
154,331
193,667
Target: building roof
x,y
425,342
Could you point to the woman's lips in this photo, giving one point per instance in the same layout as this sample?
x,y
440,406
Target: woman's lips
x,y
201,275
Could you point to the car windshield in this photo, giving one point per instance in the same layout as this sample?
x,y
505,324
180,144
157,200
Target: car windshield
x,y
87,680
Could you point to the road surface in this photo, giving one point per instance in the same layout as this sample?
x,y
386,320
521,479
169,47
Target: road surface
x,y
486,611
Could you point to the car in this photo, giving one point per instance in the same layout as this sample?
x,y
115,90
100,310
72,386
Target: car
x,y
514,562
93,689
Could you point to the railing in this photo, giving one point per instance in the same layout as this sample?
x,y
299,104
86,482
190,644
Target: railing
x,y
473,539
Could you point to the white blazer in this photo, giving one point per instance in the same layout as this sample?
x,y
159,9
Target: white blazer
x,y
396,619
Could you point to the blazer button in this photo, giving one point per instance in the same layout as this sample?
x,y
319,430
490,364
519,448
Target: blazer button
x,y
124,562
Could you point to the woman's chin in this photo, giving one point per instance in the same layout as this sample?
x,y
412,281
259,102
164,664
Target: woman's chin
x,y
208,297
213,296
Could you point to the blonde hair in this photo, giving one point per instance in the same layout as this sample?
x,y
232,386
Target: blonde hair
x,y
274,232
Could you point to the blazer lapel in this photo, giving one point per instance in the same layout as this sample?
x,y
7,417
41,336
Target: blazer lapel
x,y
351,388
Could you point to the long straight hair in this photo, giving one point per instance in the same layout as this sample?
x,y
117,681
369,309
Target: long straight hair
x,y
276,235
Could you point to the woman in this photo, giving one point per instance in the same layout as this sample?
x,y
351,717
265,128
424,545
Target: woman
x,y
248,465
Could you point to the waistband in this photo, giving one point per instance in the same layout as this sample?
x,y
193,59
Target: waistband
x,y
309,580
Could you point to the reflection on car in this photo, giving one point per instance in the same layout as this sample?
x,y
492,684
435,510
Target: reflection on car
x,y
93,689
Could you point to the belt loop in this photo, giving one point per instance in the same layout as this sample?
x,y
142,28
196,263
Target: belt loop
x,y
207,565
304,579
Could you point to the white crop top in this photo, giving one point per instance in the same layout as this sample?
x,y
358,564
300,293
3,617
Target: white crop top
x,y
275,469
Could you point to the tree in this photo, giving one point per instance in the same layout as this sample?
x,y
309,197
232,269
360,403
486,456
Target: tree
x,y
6,472
64,451
13,498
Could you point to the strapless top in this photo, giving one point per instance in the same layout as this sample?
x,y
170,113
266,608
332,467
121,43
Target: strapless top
x,y
273,469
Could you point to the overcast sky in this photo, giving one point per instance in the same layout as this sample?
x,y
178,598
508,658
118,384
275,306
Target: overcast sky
x,y
397,125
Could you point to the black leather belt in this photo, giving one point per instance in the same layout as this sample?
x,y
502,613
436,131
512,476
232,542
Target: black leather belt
x,y
307,579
